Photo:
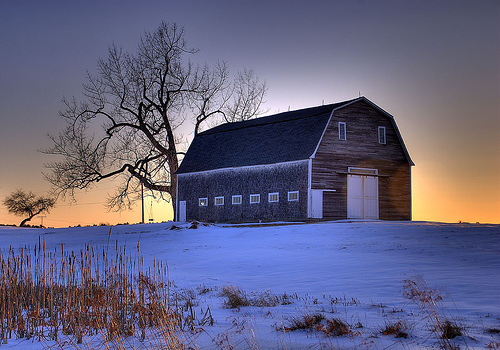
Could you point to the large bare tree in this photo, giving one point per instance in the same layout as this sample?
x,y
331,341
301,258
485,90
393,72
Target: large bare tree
x,y
126,126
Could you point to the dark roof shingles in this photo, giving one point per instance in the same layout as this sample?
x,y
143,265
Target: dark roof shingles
x,y
283,137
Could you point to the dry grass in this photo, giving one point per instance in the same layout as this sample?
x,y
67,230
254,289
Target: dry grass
x,y
81,295
236,298
318,323
429,300
451,330
398,329
103,300
305,322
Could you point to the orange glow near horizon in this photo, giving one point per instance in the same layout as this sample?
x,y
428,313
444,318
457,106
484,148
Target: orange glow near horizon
x,y
434,199
90,209
451,200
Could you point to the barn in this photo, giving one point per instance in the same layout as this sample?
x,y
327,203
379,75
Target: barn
x,y
345,160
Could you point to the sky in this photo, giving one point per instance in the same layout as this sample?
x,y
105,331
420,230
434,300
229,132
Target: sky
x,y
433,65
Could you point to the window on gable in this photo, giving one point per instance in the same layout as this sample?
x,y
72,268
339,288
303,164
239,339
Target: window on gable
x,y
342,131
274,197
219,200
293,196
381,135
237,199
254,198
203,202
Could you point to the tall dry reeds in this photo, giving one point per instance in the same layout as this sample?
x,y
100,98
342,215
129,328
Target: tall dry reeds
x,y
81,294
429,301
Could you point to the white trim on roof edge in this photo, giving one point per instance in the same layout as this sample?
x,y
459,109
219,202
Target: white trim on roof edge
x,y
393,121
243,167
328,123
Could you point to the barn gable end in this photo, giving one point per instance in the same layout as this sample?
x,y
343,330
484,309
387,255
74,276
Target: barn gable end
x,y
334,159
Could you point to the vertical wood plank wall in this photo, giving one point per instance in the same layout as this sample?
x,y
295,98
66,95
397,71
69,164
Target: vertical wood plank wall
x,y
361,149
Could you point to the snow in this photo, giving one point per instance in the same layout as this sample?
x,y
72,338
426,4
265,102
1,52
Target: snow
x,y
354,271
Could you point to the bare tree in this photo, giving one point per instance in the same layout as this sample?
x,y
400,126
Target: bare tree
x,y
247,97
126,127
23,203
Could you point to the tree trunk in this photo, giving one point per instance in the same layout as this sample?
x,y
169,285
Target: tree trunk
x,y
173,194
30,217
25,221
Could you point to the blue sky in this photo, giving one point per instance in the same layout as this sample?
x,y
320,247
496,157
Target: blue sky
x,y
434,65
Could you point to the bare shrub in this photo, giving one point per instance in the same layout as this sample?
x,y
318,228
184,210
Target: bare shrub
x,y
429,301
235,297
265,299
344,301
318,323
285,299
493,345
451,330
493,331
335,327
184,303
305,322
398,329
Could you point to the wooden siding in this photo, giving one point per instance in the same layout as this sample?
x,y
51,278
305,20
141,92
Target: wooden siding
x,y
361,149
262,180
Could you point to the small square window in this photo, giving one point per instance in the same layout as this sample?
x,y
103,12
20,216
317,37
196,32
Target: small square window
x,y
342,131
254,198
203,202
381,135
219,200
293,196
237,199
274,197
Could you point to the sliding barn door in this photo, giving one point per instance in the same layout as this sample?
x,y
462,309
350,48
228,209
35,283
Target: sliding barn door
x,y
354,196
362,197
370,197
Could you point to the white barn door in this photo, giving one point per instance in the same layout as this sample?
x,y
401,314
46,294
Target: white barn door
x,y
362,197
354,196
182,211
370,197
317,204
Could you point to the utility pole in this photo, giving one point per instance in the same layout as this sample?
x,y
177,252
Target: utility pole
x,y
142,201
41,219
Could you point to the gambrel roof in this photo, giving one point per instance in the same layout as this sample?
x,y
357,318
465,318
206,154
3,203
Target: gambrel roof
x,y
283,137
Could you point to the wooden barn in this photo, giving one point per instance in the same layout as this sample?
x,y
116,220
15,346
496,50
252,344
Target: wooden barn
x,y
340,161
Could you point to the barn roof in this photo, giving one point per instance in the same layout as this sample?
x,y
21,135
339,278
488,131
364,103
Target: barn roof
x,y
282,137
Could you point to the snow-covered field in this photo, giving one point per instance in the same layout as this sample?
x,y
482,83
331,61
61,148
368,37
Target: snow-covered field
x,y
353,271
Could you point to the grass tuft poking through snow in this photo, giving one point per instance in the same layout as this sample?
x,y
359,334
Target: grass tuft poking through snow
x,y
236,298
318,323
399,329
451,330
429,301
